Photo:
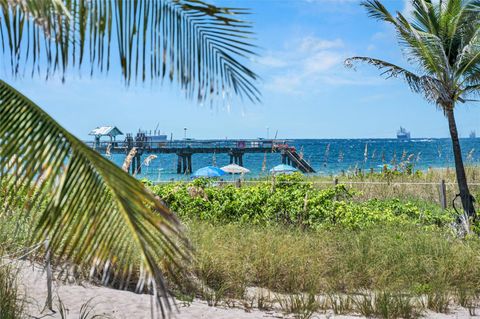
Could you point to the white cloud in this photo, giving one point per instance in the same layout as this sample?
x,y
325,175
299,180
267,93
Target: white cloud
x,y
379,36
310,43
291,84
271,61
303,64
350,79
321,61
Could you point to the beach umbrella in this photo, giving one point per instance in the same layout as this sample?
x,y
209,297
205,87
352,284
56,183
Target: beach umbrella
x,y
283,168
235,169
208,172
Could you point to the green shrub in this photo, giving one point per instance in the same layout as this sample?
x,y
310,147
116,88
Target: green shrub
x,y
289,200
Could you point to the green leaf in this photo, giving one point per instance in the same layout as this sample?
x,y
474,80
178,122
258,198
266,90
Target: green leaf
x,y
205,48
94,213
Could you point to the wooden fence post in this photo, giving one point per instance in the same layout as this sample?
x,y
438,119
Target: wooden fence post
x,y
335,183
48,267
442,188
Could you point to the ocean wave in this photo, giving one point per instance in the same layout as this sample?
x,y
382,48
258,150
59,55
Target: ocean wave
x,y
429,140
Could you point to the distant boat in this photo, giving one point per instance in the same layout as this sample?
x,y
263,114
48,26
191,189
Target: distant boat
x,y
403,134
472,134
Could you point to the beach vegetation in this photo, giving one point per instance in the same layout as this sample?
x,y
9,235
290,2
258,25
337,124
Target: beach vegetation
x,y
345,260
12,301
389,271
87,311
291,201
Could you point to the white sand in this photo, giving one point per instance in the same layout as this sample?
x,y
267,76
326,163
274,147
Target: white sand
x,y
126,305
116,303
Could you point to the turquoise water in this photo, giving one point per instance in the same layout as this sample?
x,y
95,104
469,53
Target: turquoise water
x,y
329,156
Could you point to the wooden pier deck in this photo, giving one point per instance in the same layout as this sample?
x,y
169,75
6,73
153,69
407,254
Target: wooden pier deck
x,y
186,148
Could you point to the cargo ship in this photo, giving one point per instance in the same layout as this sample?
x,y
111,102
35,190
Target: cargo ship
x,y
403,134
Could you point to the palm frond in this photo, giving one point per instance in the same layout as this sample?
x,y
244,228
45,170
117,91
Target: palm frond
x,y
205,48
377,10
425,17
422,48
468,56
470,90
432,89
92,213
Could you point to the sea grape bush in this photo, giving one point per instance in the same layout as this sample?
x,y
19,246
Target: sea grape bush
x,y
291,201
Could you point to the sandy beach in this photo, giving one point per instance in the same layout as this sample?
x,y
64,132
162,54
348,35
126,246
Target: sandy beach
x,y
114,303
124,305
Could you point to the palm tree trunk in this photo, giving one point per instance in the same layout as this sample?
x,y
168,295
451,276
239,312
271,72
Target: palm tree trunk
x,y
466,197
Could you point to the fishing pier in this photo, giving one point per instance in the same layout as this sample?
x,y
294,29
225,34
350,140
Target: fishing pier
x,y
184,149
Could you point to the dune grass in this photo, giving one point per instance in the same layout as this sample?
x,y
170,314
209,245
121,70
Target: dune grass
x,y
12,303
234,257
428,269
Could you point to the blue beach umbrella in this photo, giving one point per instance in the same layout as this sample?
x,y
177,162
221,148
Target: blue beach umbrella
x,y
208,172
283,168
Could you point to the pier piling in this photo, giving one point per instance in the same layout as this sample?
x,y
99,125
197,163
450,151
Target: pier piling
x,y
189,163
184,163
236,157
133,166
184,149
179,164
138,159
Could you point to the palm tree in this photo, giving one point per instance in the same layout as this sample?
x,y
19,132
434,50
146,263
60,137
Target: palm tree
x,y
442,39
90,211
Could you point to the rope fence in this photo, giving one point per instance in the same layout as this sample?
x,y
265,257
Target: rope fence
x,y
12,259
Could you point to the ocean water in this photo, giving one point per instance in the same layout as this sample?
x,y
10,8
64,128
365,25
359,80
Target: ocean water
x,y
328,156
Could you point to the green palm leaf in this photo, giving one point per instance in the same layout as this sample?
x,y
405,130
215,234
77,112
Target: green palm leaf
x,y
202,47
428,86
94,213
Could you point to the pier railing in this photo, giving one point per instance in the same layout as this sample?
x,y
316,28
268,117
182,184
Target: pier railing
x,y
186,148
192,144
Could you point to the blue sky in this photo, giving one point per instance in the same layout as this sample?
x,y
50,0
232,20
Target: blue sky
x,y
307,92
